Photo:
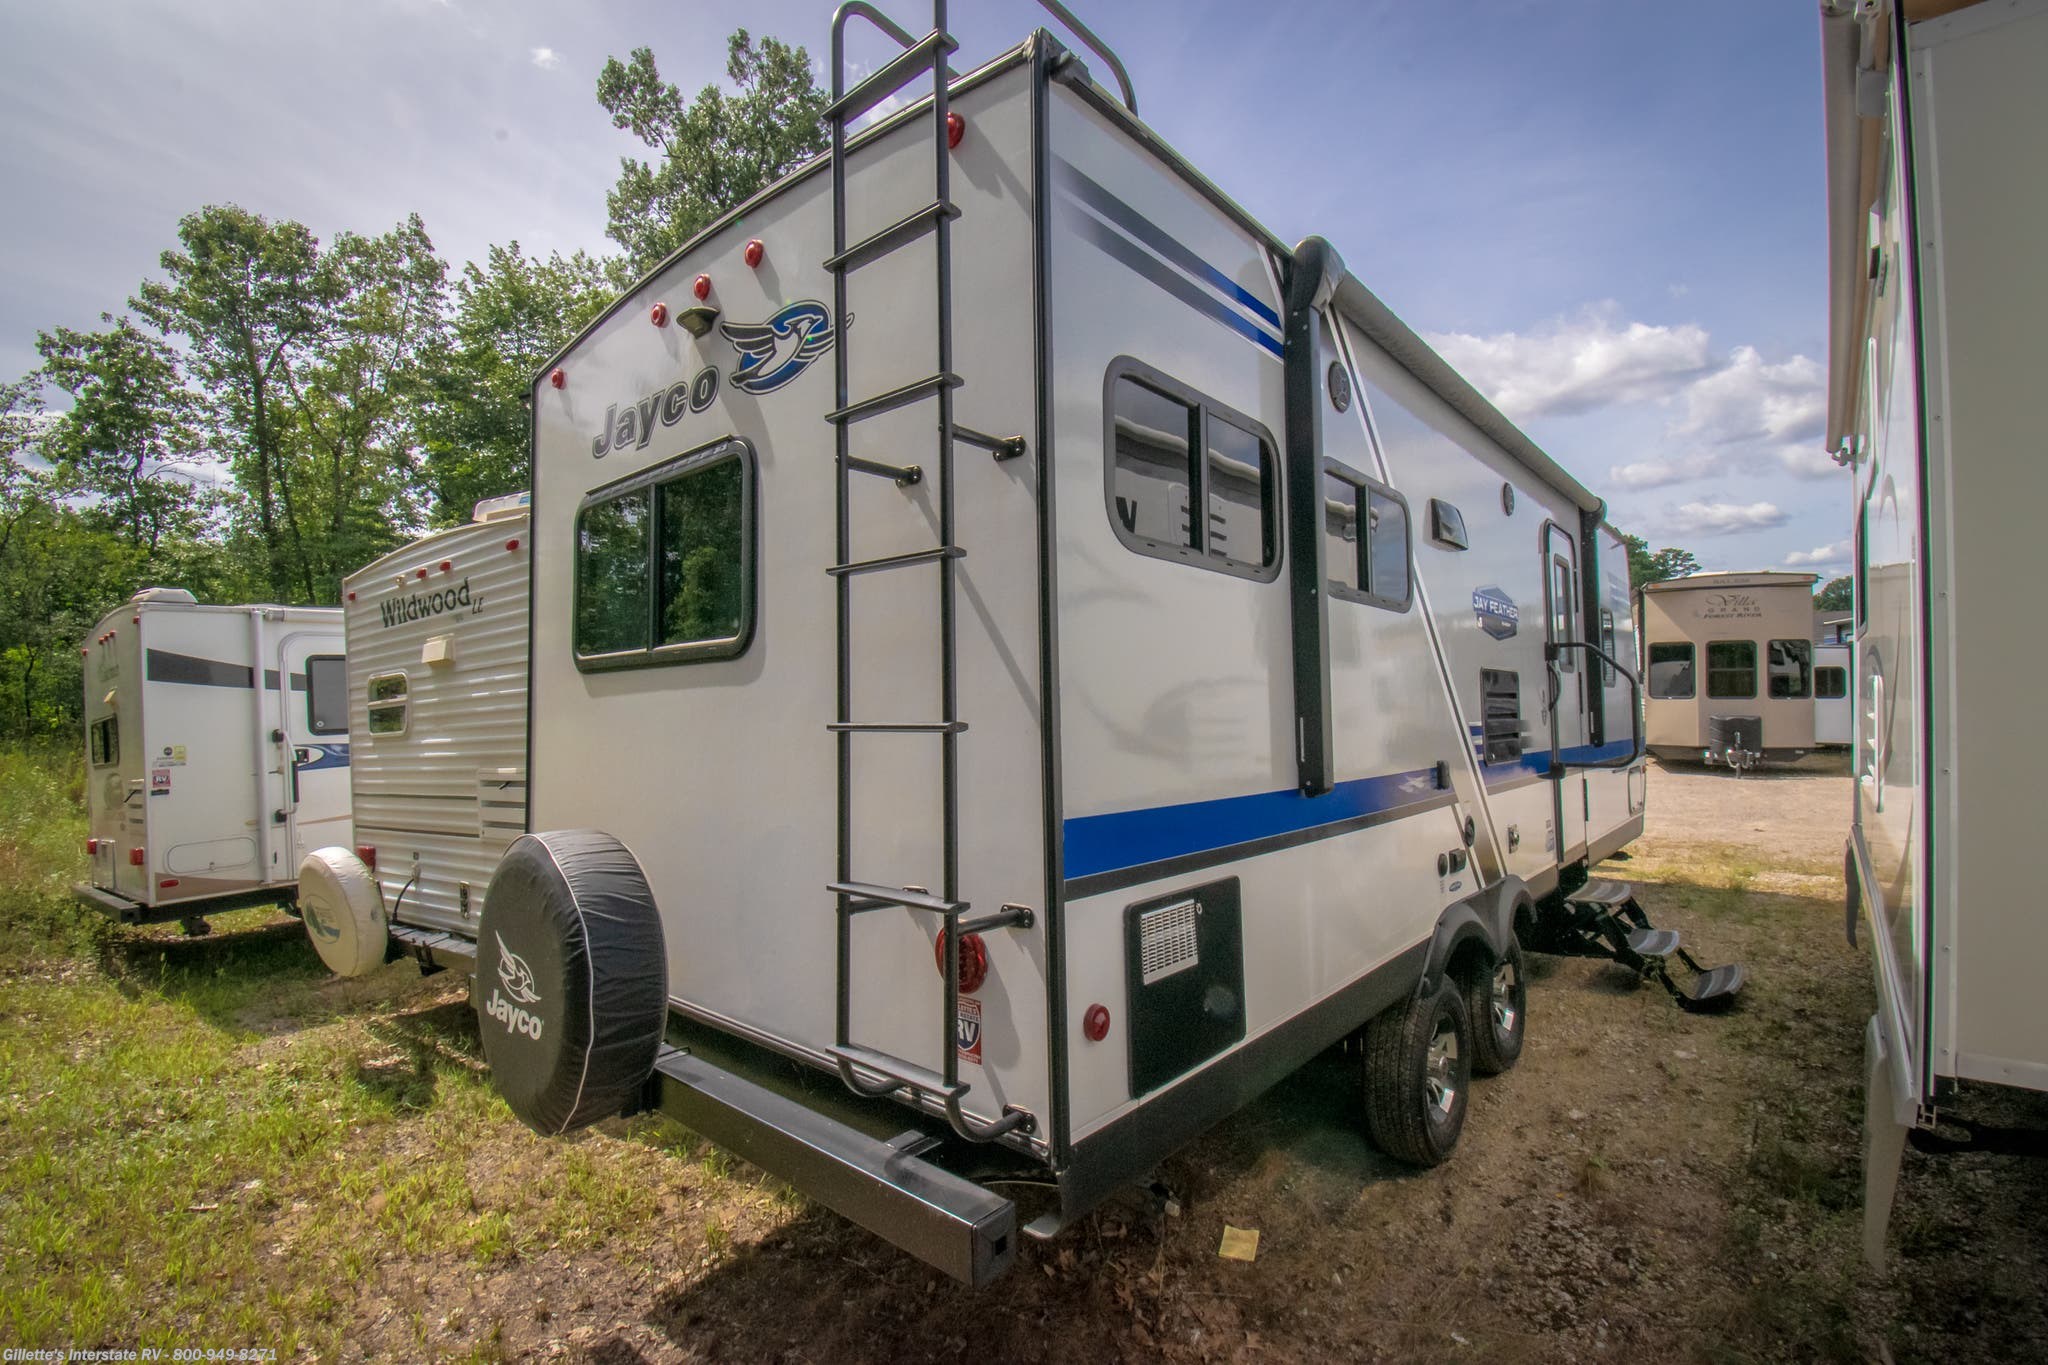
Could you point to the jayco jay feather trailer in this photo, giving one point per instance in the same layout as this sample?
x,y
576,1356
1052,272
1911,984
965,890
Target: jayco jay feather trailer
x,y
1937,133
1728,667
437,637
1021,660
217,753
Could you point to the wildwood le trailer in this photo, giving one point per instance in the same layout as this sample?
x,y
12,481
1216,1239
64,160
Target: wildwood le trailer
x,y
1022,660
1728,667
217,752
437,639
1937,135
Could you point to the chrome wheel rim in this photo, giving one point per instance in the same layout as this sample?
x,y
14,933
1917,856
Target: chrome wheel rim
x,y
1506,1014
1441,1080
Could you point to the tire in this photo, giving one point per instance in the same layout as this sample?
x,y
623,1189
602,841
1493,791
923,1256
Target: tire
x,y
1497,1004
342,908
1418,1076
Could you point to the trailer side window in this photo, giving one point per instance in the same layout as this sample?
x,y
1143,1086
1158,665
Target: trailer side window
x,y
664,565
1731,668
327,694
1671,672
1366,540
1189,479
106,742
1830,682
1500,699
1791,668
1607,645
387,704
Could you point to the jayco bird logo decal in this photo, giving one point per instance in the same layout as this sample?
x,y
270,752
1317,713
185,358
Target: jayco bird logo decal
x,y
517,980
774,352
516,976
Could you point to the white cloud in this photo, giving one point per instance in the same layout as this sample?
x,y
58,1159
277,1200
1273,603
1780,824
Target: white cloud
x,y
1725,518
1837,553
546,58
1577,364
1663,473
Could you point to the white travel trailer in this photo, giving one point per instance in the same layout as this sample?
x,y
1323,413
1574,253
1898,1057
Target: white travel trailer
x,y
217,753
1834,724
1937,135
1011,635
437,634
1728,667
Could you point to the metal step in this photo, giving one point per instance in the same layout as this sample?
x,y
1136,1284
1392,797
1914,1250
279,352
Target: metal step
x,y
899,727
871,896
1603,893
905,1074
1002,447
900,233
1653,942
914,61
1712,989
930,556
894,398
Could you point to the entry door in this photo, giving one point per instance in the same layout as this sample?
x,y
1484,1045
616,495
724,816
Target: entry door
x,y
1570,731
313,700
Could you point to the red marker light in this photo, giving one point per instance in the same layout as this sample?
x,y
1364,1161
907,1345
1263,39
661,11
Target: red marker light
x,y
754,252
135,858
368,853
423,573
92,846
702,288
166,883
558,379
137,620
351,597
956,128
512,544
1095,1023
85,654
658,315
973,960
447,565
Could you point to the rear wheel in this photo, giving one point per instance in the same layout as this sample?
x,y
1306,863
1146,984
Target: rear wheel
x,y
1497,1003
1418,1069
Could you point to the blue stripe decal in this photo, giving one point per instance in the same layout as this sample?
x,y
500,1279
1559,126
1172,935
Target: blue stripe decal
x,y
1152,235
1097,844
324,756
1174,283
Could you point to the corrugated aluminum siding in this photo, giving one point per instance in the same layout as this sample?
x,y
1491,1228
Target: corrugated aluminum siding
x,y
442,801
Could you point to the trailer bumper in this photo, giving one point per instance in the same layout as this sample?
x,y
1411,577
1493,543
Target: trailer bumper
x,y
944,1220
123,910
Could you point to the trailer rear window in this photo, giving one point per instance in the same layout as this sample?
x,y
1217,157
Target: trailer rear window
x,y
105,742
665,563
1731,668
1830,683
1671,672
1189,479
1366,540
327,694
1500,699
387,704
1791,669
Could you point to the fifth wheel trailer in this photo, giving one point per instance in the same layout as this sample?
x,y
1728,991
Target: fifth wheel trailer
x,y
1937,137
437,637
1728,667
217,754
1015,643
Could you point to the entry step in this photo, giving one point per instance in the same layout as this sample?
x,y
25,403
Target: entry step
x,y
1653,942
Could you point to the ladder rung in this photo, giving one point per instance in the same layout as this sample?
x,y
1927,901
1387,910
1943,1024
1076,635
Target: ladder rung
x,y
903,476
896,895
895,398
899,727
895,235
897,561
1005,447
896,1069
915,60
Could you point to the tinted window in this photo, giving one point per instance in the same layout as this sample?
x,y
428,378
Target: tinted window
x,y
1830,683
387,692
1671,672
1607,644
1154,465
1366,542
1241,496
105,742
1386,548
327,695
1561,613
1791,668
1731,668
702,559
1343,550
611,575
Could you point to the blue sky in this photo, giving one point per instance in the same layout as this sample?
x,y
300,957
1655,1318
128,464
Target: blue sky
x,y
1608,215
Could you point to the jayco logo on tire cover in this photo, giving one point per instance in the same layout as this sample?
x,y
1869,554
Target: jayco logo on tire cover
x,y
517,980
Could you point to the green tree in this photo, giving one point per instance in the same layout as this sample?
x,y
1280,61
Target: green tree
x,y
511,314
714,153
1648,566
1838,594
131,417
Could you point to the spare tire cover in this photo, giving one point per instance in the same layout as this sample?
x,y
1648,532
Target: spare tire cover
x,y
571,978
344,911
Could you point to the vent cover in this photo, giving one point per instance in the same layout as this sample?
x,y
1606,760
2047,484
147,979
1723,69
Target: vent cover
x,y
1167,941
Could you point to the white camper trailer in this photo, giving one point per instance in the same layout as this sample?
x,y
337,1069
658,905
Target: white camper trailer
x,y
1728,667
217,754
1022,656
437,635
1834,724
1937,134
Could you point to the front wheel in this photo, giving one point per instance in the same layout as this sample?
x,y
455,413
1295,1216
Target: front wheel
x,y
1497,1003
1418,1069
